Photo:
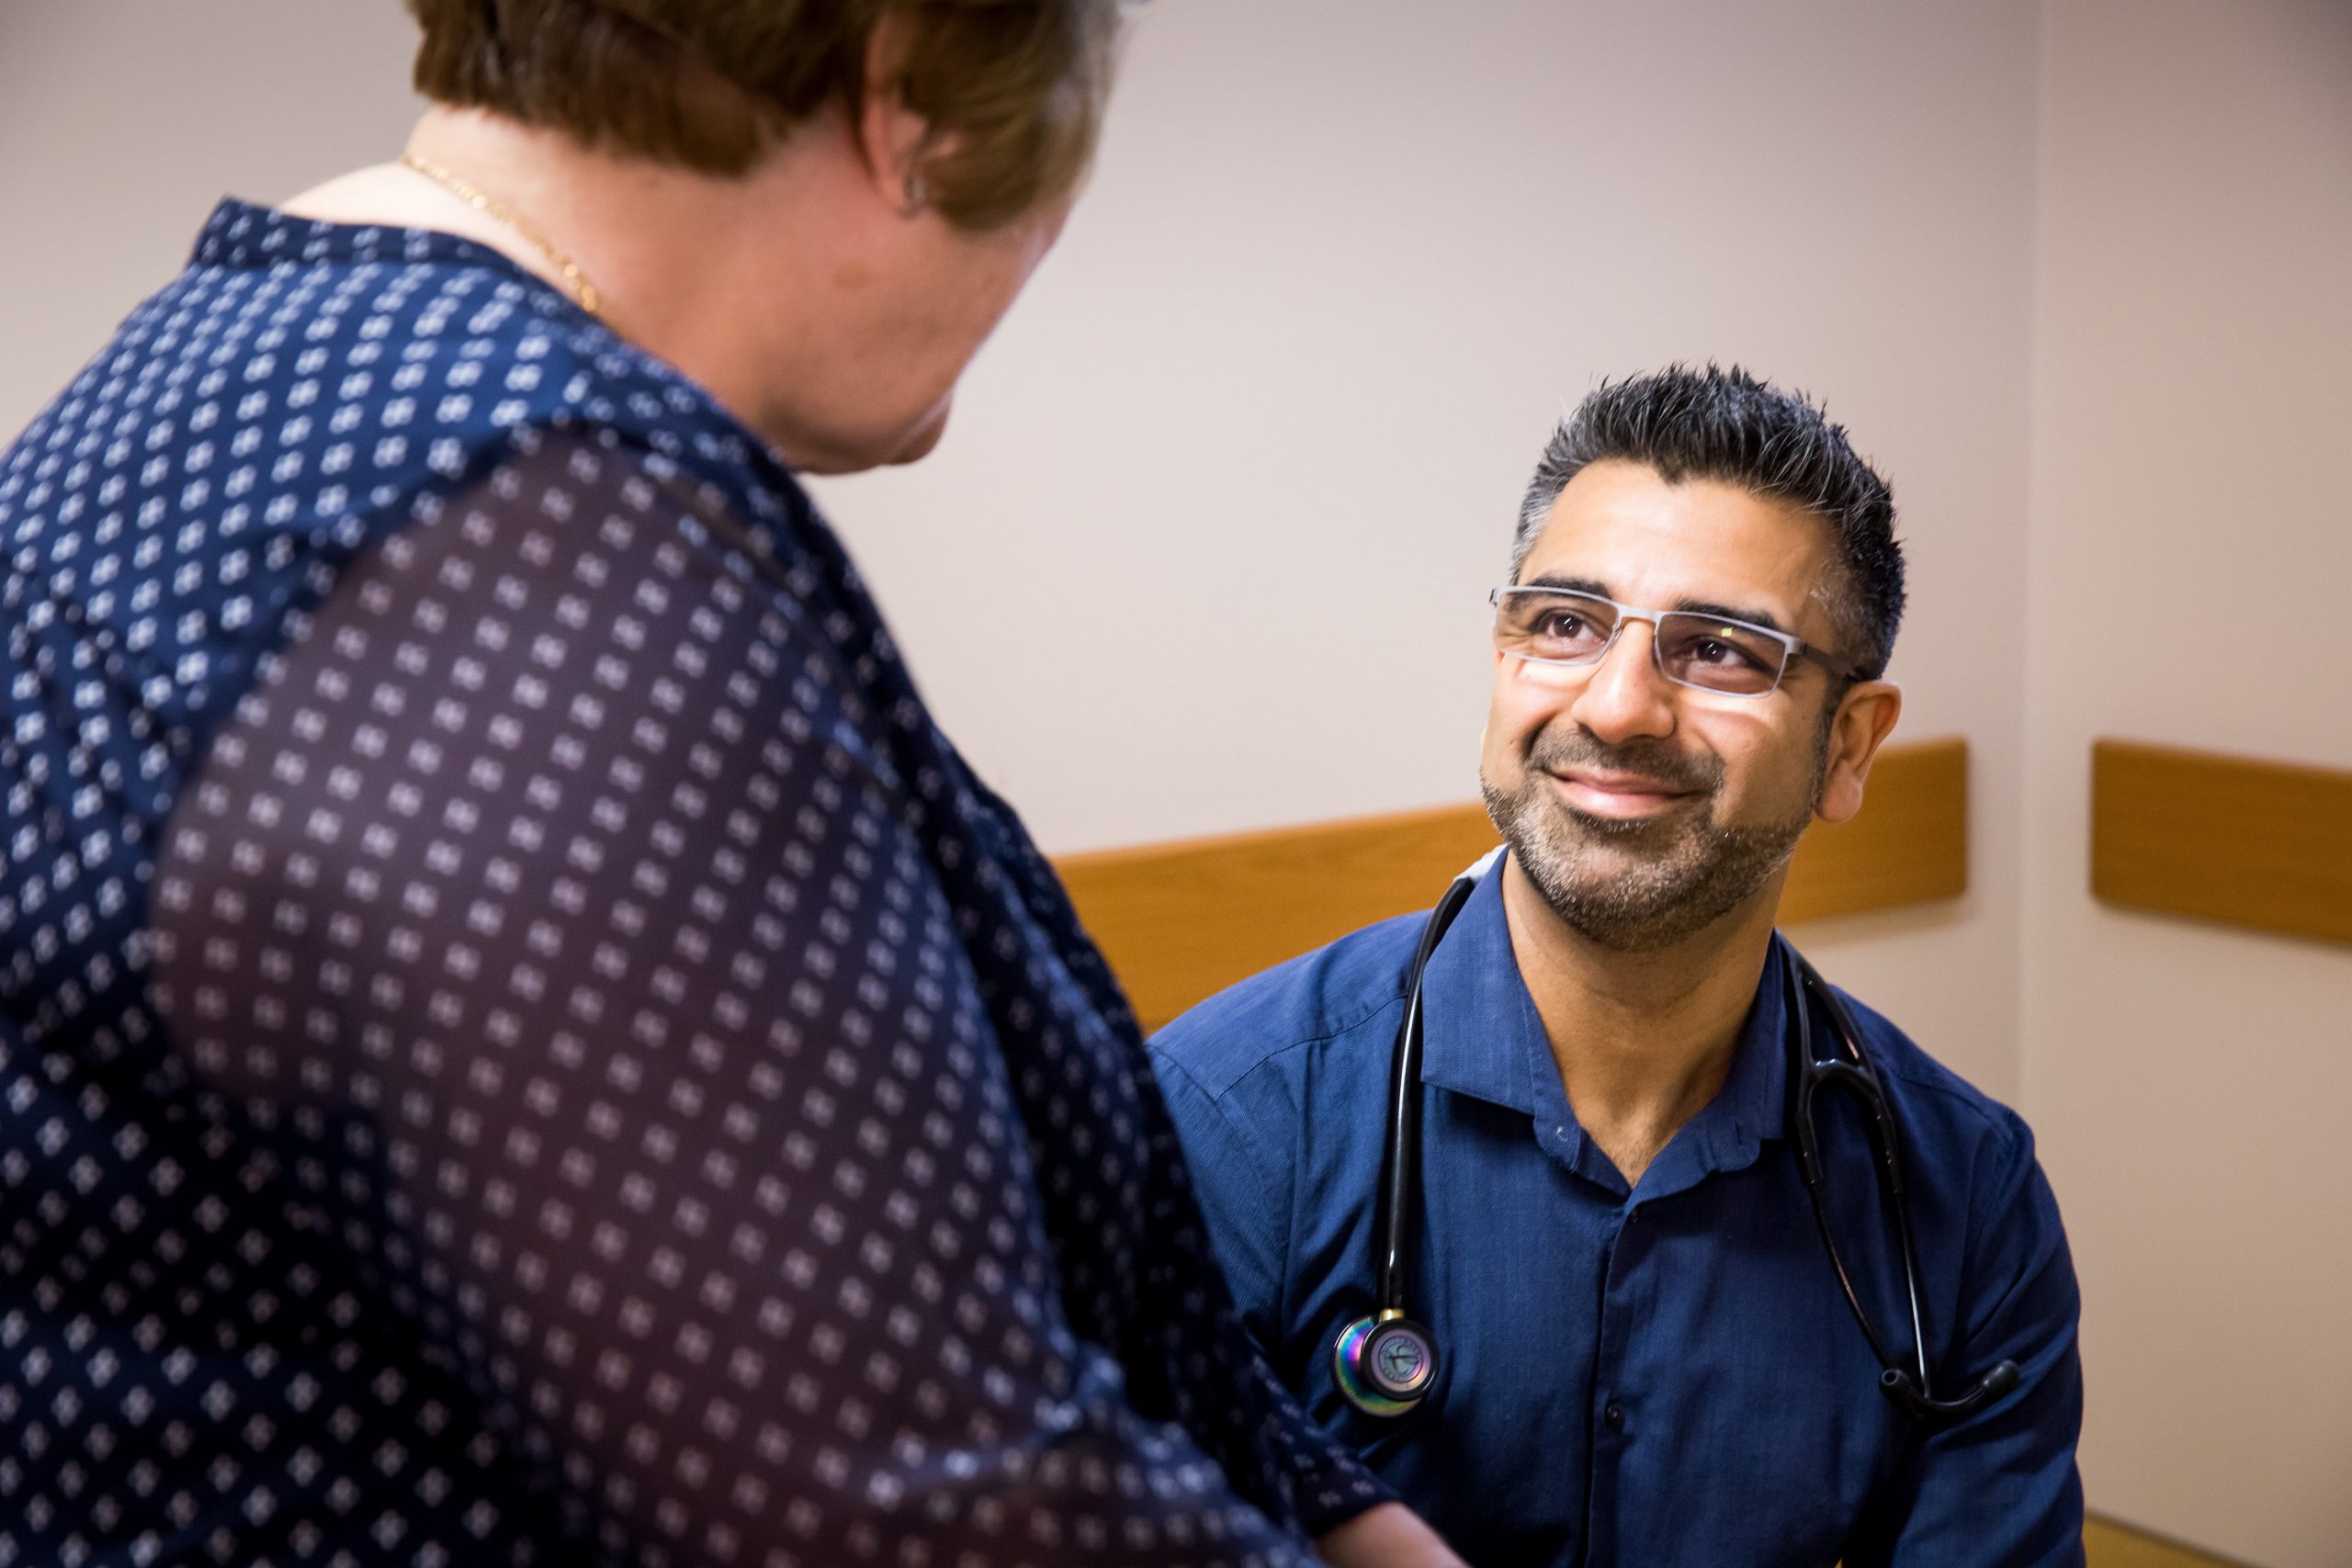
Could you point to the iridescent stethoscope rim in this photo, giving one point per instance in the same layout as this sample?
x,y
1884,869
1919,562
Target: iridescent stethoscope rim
x,y
1344,1351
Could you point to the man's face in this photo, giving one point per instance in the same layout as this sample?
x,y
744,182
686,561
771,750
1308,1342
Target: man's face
x,y
1643,810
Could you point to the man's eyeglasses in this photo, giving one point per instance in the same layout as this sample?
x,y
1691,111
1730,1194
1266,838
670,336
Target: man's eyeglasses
x,y
1708,653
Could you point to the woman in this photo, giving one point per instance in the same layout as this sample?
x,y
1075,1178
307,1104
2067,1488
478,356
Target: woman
x,y
522,1041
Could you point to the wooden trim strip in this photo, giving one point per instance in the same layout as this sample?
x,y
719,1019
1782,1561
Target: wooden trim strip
x,y
1180,922
1907,845
2112,1543
2231,839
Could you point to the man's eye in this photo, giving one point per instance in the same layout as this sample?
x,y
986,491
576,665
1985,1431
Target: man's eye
x,y
1564,626
1700,651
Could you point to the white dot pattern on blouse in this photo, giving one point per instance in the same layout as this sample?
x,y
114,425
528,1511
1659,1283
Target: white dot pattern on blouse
x,y
522,1042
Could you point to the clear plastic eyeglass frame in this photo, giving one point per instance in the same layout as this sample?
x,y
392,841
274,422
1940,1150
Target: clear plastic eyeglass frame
x,y
1791,647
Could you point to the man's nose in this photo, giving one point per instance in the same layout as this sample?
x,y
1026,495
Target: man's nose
x,y
1626,696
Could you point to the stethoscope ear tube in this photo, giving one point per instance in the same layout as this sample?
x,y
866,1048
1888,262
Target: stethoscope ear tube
x,y
1385,1364
1849,1069
1401,1163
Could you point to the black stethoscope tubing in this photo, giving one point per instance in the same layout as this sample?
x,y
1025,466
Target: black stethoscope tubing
x,y
1401,1175
1362,1369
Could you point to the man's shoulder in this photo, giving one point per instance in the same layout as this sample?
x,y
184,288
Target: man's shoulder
x,y
1935,1099
1317,996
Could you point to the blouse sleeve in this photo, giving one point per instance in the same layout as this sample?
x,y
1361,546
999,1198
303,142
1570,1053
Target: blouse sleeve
x,y
543,855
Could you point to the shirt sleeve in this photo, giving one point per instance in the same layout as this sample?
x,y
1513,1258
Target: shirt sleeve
x,y
1244,1178
2001,1489
1244,1198
545,902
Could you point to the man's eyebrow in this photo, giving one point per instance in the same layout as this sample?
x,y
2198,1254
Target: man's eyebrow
x,y
1569,584
1754,617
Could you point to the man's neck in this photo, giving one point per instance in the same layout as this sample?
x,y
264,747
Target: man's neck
x,y
1642,1039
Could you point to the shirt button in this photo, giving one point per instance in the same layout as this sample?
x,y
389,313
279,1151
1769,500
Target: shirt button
x,y
1613,1416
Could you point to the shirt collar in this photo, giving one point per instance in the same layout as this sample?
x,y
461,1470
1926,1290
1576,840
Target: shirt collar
x,y
1753,1103
1476,1017
1482,1036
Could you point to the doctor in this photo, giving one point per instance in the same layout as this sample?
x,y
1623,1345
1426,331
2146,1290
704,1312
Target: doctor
x,y
1624,1340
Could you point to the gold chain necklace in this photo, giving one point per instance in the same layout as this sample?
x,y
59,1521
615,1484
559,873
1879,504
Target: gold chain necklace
x,y
583,291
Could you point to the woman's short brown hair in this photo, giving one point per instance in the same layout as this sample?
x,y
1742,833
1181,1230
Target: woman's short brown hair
x,y
1013,89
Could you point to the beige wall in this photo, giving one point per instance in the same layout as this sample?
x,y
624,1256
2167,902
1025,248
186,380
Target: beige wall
x,y
2191,582
122,122
1207,545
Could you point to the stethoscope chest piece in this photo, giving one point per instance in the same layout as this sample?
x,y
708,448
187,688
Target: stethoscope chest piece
x,y
1385,1364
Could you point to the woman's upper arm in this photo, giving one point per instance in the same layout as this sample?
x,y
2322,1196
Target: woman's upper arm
x,y
549,849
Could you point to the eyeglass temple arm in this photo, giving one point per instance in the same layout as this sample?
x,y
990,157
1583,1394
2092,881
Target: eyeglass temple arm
x,y
1843,668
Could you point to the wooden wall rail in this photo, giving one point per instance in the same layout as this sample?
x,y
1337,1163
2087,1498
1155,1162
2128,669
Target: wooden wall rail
x,y
2266,845
1180,922
2112,1543
1907,845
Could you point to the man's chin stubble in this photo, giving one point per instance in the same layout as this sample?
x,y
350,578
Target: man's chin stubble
x,y
1650,904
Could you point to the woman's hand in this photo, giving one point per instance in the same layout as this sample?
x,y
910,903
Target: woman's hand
x,y
1388,1536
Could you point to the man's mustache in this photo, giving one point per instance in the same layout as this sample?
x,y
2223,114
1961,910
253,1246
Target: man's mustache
x,y
1555,751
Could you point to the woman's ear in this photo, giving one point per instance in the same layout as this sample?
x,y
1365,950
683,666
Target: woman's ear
x,y
1865,717
890,136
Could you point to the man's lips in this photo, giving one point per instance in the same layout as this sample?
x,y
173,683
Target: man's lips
x,y
1606,793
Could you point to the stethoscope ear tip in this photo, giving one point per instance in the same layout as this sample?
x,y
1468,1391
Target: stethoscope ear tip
x,y
1906,1390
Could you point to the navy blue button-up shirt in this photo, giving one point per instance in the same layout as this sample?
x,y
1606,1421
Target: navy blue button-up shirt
x,y
1663,1375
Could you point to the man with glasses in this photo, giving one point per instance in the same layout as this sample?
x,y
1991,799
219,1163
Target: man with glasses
x,y
1643,1354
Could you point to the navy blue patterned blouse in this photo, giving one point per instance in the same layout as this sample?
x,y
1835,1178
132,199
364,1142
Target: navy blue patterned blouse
x,y
522,1042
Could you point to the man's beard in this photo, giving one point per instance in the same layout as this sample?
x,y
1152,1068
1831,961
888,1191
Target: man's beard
x,y
1674,877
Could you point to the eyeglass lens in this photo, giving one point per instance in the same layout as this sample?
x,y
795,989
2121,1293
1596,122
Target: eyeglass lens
x,y
1560,627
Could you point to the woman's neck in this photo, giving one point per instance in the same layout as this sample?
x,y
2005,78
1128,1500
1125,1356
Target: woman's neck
x,y
706,273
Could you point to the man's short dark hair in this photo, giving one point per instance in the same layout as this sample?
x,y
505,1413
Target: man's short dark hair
x,y
1725,424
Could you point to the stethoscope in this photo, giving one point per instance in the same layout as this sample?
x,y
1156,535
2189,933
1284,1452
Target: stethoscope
x,y
1386,1363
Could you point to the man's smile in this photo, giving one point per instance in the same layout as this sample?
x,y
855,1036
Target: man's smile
x,y
1600,792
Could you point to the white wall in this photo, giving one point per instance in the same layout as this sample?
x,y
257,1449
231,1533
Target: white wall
x,y
121,123
2192,583
1208,545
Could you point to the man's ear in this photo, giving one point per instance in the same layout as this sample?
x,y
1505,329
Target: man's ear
x,y
1866,715
891,138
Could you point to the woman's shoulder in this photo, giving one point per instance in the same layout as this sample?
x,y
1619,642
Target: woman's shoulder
x,y
444,345
304,391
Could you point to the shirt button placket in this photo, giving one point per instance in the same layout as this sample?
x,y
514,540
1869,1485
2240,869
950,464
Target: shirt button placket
x,y
1605,1488
1612,1414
